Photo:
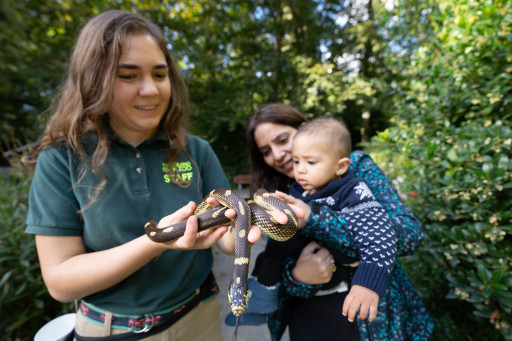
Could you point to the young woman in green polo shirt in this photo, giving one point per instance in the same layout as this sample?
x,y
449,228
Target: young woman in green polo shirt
x,y
115,155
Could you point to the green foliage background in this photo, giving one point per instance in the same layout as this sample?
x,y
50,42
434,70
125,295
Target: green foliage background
x,y
25,305
434,78
452,138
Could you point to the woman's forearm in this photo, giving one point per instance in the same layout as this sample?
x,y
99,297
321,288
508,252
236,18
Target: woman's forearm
x,y
70,273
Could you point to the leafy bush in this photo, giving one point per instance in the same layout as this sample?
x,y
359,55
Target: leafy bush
x,y
25,303
453,128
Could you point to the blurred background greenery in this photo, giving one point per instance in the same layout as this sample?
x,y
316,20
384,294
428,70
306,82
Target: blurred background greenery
x,y
424,86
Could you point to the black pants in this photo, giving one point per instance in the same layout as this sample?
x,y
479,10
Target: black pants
x,y
319,318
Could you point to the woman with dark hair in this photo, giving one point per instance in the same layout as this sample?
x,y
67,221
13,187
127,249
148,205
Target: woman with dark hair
x,y
308,303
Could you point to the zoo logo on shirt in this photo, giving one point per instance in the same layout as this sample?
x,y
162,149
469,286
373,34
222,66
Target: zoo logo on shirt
x,y
181,173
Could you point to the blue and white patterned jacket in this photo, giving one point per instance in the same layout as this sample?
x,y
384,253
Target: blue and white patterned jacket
x,y
366,220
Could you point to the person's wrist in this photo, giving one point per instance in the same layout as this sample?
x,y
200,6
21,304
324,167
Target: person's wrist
x,y
293,274
307,213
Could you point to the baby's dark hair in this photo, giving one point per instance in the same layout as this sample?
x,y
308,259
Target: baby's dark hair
x,y
331,131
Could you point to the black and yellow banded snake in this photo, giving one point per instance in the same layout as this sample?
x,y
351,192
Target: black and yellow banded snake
x,y
247,211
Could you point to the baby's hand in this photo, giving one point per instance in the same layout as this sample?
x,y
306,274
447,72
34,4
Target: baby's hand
x,y
361,298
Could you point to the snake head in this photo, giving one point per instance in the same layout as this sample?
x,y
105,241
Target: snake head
x,y
238,295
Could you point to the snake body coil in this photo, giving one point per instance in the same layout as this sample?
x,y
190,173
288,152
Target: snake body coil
x,y
247,211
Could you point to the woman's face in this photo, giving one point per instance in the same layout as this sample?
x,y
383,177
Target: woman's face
x,y
142,90
275,144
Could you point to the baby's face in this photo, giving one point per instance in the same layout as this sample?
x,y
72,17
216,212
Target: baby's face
x,y
314,163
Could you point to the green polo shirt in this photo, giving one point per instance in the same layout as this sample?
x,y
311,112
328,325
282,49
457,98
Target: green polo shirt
x,y
139,188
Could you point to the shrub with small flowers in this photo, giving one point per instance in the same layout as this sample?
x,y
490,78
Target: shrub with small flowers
x,y
452,141
25,305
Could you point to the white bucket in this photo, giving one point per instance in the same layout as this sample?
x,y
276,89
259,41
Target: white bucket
x,y
57,329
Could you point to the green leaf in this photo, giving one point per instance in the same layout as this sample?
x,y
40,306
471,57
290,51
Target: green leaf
x,y
496,277
6,277
452,155
503,293
482,272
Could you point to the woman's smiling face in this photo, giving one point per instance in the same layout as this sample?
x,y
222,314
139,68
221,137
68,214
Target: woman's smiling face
x,y
274,141
142,90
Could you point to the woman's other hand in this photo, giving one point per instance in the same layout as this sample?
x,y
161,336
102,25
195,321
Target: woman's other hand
x,y
227,243
314,265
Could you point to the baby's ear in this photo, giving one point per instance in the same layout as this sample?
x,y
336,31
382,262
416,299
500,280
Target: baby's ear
x,y
343,165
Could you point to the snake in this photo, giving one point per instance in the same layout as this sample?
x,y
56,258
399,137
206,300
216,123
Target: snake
x,y
248,211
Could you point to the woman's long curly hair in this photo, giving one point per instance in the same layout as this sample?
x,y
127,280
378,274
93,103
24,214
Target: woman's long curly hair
x,y
84,98
262,175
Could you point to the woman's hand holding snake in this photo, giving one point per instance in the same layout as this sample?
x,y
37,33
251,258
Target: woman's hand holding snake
x,y
227,244
192,238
